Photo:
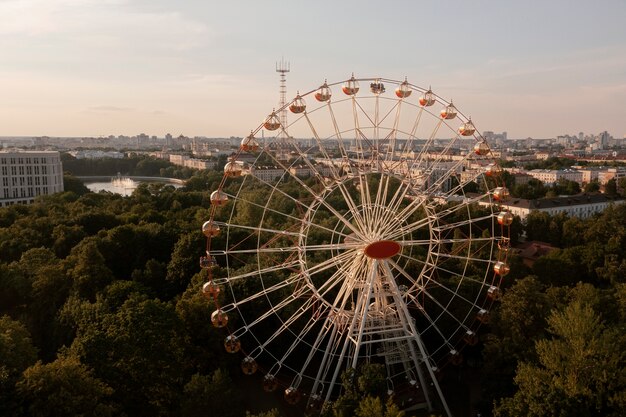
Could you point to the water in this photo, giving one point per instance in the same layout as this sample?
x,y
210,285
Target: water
x,y
126,189
108,186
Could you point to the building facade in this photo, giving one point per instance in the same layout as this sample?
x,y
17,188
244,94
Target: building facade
x,y
582,206
25,175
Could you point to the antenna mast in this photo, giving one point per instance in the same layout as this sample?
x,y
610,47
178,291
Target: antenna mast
x,y
282,68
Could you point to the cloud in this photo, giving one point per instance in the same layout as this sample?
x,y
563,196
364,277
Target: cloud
x,y
117,23
110,109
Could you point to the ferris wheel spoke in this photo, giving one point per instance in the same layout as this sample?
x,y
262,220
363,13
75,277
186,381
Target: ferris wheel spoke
x,y
293,263
293,279
454,208
427,242
409,228
455,225
300,339
340,144
275,309
319,197
392,219
422,156
464,258
424,290
453,171
294,317
257,229
431,322
433,266
321,147
273,189
341,276
394,132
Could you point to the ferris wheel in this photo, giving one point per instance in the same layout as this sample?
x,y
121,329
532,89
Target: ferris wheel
x,y
366,230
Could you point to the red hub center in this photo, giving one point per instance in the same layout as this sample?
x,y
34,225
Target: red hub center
x,y
382,249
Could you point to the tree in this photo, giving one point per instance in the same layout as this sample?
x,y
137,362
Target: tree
x,y
16,354
64,387
88,270
73,184
516,324
576,370
217,393
610,188
592,187
138,350
271,413
373,407
537,226
184,262
363,393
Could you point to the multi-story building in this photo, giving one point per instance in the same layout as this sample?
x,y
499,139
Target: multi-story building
x,y
582,206
267,174
552,176
611,173
25,175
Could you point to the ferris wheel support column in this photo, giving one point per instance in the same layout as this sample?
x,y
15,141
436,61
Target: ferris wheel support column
x,y
363,312
361,306
405,316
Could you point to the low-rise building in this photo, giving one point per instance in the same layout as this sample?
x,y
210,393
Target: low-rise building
x,y
582,205
552,176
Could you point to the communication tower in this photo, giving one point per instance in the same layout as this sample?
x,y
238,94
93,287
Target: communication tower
x,y
282,68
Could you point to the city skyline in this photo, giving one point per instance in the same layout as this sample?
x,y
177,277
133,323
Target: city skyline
x,y
94,68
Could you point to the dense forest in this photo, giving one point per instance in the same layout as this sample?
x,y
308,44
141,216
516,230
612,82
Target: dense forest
x,y
101,314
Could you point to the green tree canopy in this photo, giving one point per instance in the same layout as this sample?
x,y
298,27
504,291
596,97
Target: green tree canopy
x,y
64,387
576,370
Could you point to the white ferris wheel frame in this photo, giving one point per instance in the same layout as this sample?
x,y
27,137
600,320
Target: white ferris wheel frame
x,y
359,312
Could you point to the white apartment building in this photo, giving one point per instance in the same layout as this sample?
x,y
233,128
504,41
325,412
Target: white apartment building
x,y
552,176
581,206
25,175
267,174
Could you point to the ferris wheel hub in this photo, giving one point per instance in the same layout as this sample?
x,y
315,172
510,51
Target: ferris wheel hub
x,y
382,249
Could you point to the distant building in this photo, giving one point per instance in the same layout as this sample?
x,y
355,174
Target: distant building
x,y
582,205
267,174
25,175
552,176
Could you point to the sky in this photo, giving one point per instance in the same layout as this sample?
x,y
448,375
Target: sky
x,y
207,67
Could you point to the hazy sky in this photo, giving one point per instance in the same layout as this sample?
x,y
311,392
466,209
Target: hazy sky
x,y
207,67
